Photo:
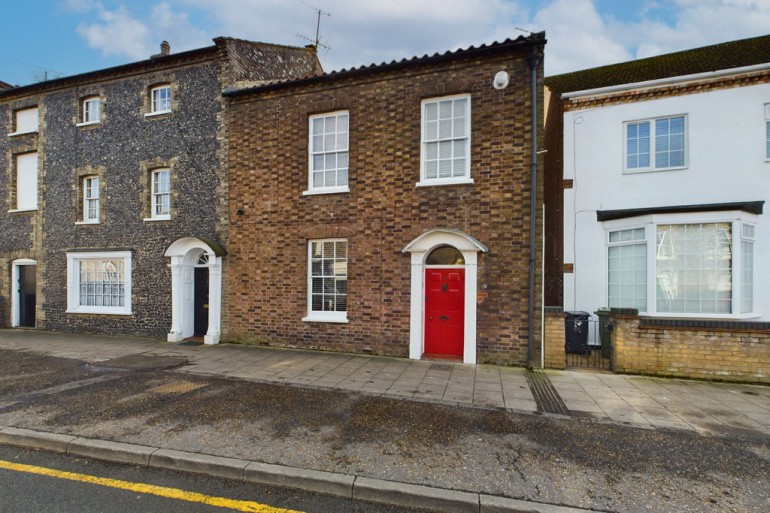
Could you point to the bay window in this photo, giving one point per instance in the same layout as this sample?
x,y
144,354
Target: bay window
x,y
700,269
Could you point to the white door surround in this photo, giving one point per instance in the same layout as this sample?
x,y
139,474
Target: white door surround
x,y
185,254
15,299
420,248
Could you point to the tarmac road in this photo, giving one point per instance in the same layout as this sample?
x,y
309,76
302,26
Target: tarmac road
x,y
545,459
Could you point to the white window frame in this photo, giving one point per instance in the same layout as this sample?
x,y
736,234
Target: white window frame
x,y
313,152
88,198
28,118
466,177
28,203
154,110
73,282
630,242
89,114
155,195
737,219
324,316
652,167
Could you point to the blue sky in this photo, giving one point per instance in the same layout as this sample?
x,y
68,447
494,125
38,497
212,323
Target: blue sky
x,y
63,37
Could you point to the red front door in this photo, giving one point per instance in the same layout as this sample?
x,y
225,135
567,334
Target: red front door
x,y
444,311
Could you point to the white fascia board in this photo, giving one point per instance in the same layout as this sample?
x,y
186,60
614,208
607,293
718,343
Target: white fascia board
x,y
652,84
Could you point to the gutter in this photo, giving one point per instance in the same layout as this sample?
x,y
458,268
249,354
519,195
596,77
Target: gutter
x,y
650,84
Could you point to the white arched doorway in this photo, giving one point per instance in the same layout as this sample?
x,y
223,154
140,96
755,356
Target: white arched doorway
x,y
196,289
420,249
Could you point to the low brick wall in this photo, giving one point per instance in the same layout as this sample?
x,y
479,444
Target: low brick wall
x,y
554,338
717,350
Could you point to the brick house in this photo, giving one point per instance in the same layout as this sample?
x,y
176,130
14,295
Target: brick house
x,y
387,209
656,183
110,176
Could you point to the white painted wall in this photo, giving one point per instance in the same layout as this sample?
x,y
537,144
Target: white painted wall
x,y
726,163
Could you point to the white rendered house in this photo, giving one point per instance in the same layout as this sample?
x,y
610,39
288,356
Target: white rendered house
x,y
665,179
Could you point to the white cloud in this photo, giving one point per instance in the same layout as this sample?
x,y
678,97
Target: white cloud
x,y
118,32
577,37
696,23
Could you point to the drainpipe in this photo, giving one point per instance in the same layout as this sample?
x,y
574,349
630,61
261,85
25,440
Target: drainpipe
x,y
534,62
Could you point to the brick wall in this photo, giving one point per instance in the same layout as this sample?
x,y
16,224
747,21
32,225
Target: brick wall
x,y
691,352
272,221
554,338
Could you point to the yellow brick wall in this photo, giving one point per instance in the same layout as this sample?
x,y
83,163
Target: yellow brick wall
x,y
554,340
739,355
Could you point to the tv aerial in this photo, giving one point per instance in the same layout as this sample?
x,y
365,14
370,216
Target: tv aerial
x,y
317,41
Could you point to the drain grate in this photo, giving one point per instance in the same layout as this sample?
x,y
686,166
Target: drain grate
x,y
177,387
546,396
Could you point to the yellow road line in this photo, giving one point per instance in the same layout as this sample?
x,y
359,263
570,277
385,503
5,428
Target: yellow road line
x,y
160,491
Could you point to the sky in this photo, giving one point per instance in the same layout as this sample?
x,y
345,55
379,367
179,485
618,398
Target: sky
x,y
53,38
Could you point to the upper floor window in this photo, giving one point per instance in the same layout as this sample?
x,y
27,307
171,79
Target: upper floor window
x,y
91,199
327,280
92,110
25,121
26,181
446,143
656,144
328,153
161,194
160,98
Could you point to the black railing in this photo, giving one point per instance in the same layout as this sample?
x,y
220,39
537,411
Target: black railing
x,y
585,345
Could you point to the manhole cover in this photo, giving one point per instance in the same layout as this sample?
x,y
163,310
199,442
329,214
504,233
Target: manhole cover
x,y
177,387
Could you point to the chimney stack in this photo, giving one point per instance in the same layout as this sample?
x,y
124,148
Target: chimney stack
x,y
165,49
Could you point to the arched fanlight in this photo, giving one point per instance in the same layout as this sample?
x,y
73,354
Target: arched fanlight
x,y
445,255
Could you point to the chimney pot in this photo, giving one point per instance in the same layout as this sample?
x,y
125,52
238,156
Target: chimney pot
x,y
165,48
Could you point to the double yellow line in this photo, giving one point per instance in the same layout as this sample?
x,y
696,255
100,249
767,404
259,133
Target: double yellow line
x,y
160,491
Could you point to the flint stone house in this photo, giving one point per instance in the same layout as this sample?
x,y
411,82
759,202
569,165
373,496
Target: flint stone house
x,y
114,188
387,209
658,173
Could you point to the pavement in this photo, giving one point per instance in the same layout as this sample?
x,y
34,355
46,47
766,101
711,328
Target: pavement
x,y
693,408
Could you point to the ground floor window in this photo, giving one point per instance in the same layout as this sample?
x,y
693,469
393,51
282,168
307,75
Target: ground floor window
x,y
99,282
684,268
327,280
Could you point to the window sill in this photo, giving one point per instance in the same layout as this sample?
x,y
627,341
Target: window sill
x,y
89,123
156,114
437,182
15,134
325,318
328,190
700,317
17,210
158,218
652,170
86,222
98,311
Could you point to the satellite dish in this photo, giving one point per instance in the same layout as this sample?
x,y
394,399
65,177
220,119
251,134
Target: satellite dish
x,y
501,80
